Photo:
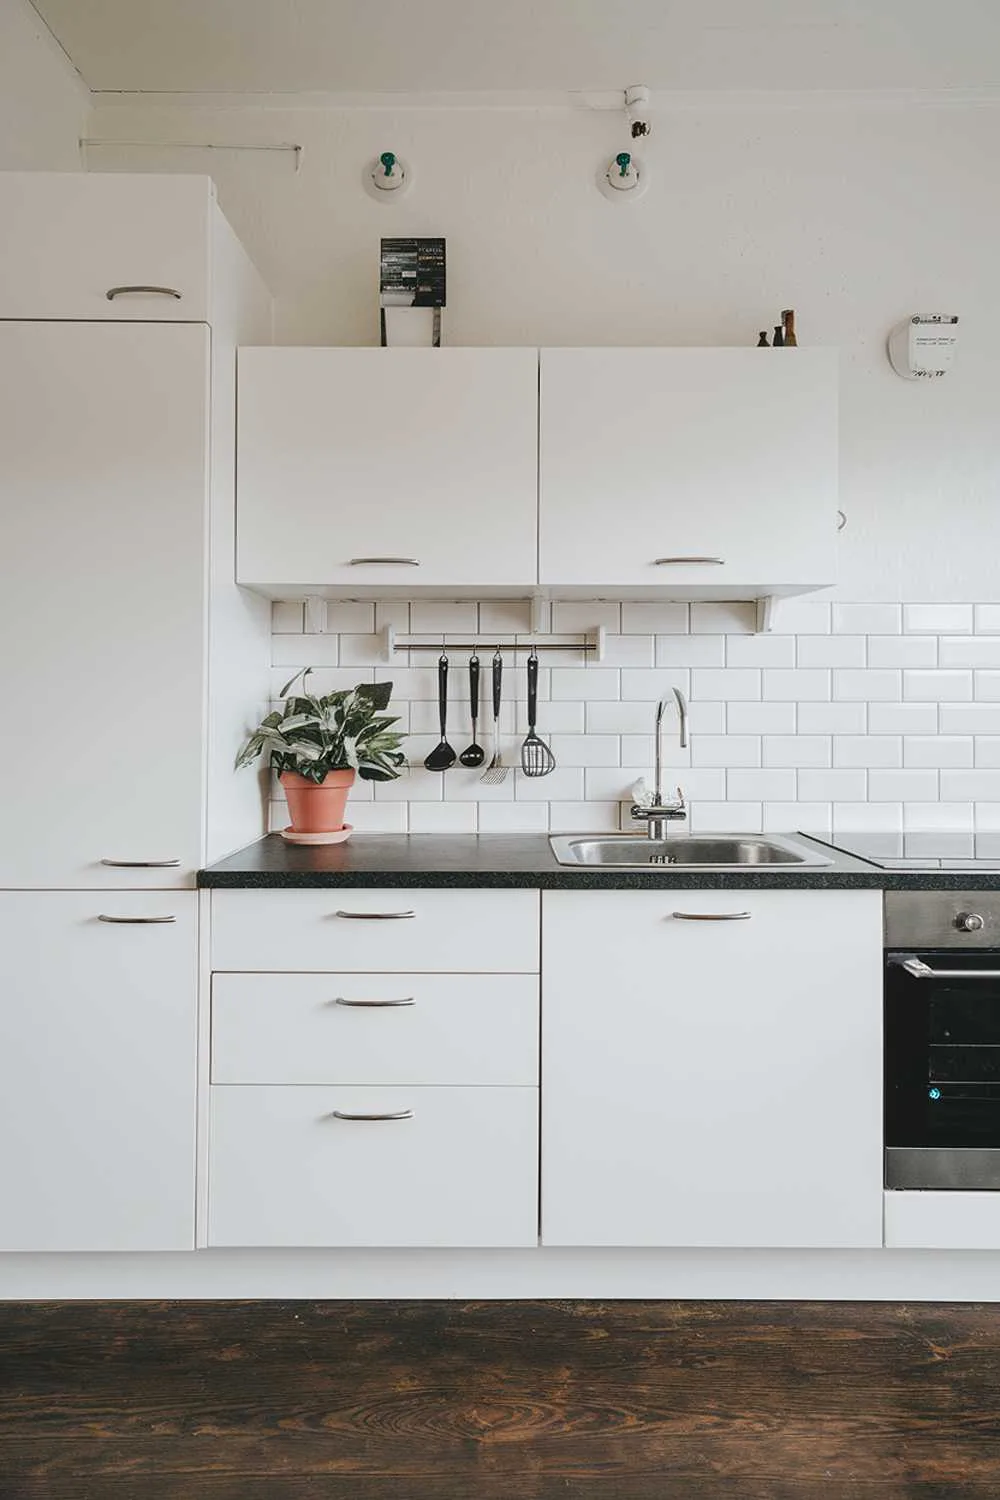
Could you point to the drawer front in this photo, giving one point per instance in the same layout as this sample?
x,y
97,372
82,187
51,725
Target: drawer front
x,y
376,931
462,1170
70,238
375,1028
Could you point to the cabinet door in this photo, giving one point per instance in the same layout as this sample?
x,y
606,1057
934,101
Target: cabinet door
x,y
425,457
651,459
103,449
713,1082
374,1166
70,238
97,1070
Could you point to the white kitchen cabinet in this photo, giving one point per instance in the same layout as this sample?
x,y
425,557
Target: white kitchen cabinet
x,y
133,665
458,1168
362,470
97,1070
70,238
688,473
712,1082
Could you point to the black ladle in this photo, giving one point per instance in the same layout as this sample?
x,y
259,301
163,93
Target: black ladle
x,y
442,756
475,754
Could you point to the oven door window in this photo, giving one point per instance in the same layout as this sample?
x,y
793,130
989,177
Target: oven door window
x,y
942,1046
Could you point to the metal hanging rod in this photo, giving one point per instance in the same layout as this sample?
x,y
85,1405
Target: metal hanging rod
x,y
488,645
86,143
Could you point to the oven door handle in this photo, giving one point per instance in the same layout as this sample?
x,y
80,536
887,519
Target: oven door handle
x,y
917,969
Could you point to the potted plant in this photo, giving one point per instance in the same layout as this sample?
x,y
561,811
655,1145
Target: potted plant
x,y
318,744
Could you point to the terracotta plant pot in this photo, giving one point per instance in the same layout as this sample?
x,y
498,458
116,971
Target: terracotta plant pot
x,y
317,808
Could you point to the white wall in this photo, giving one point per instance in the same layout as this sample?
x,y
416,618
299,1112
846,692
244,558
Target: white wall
x,y
43,103
855,213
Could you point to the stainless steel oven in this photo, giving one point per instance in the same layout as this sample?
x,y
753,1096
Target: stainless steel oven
x,y
942,1039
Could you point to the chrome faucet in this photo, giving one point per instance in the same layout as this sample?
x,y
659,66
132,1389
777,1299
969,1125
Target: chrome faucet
x,y
659,815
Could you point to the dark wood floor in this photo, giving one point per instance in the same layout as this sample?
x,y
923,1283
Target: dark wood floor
x,y
498,1401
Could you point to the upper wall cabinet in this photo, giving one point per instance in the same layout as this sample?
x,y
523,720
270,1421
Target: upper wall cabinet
x,y
692,473
366,469
106,245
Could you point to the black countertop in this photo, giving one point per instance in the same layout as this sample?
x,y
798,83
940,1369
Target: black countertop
x,y
512,860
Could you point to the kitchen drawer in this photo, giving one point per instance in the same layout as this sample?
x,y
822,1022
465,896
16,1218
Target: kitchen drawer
x,y
377,931
375,1028
71,237
461,1171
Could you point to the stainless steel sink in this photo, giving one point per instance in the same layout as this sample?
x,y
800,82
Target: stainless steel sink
x,y
721,852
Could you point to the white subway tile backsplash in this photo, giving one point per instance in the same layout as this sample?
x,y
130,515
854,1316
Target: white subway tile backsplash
x,y
903,651
938,619
937,686
866,686
443,817
760,786
798,686
902,718
946,844
903,786
759,650
831,651
832,718
725,750
833,786
938,750
513,817
840,717
690,650
654,619
722,619
760,718
804,750
868,750
970,651
725,686
867,619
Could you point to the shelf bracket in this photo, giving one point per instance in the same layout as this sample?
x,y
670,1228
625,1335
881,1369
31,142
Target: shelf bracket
x,y
764,613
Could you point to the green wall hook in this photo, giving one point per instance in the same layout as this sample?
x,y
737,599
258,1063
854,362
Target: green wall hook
x,y
624,160
388,160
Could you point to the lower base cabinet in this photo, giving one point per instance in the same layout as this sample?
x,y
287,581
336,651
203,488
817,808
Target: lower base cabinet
x,y
711,1064
98,1070
416,1166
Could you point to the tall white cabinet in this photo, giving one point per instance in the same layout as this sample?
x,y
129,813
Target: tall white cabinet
x,y
132,666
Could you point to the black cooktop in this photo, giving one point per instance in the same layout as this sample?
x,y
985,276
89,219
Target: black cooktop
x,y
921,850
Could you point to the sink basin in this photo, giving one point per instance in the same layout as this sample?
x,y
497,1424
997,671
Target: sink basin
x,y
715,852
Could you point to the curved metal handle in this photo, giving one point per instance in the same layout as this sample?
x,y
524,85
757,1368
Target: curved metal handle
x,y
140,921
660,562
128,291
712,916
374,1004
141,864
402,562
917,969
395,1114
375,916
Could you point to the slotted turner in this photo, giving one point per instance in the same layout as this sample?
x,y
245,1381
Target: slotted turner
x,y
496,770
536,757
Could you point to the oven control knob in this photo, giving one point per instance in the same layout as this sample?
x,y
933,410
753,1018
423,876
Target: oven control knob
x,y
969,921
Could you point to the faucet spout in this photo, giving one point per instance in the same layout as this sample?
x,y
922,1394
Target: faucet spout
x,y
682,714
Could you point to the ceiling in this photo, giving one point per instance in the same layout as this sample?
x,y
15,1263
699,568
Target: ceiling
x,y
546,46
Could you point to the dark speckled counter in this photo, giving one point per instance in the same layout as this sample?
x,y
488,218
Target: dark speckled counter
x,y
502,860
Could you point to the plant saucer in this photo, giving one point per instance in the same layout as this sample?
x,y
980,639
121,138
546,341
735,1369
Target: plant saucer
x,y
341,835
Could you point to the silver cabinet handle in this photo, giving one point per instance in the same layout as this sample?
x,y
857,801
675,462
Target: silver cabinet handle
x,y
919,970
396,1114
128,291
141,864
400,562
662,562
375,916
103,917
711,916
374,1004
